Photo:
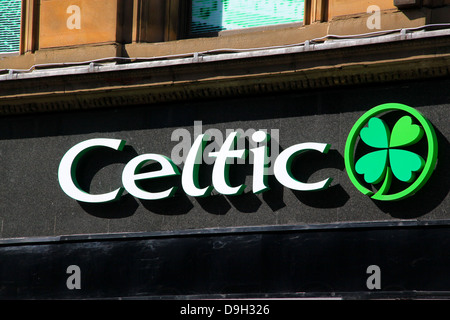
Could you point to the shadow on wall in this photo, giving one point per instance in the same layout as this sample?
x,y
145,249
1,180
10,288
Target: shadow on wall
x,y
319,167
253,108
430,196
334,196
100,161
99,167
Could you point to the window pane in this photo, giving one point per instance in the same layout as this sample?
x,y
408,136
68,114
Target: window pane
x,y
218,15
10,13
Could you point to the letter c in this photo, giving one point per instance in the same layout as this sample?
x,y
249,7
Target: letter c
x,y
282,167
68,166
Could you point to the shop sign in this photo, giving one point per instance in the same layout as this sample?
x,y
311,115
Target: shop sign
x,y
387,159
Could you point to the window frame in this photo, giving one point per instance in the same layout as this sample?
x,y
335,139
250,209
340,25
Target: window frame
x,y
185,11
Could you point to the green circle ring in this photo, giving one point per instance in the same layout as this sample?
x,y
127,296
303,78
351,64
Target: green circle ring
x,y
428,168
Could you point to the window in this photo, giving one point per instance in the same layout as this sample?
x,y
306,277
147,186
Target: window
x,y
10,16
212,16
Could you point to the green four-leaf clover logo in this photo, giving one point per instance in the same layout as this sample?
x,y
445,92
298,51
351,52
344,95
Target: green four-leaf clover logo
x,y
389,159
403,163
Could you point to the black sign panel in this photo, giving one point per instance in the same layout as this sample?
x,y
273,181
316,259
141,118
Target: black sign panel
x,y
353,261
32,203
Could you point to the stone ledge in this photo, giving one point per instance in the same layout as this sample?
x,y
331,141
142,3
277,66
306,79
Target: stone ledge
x,y
410,60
